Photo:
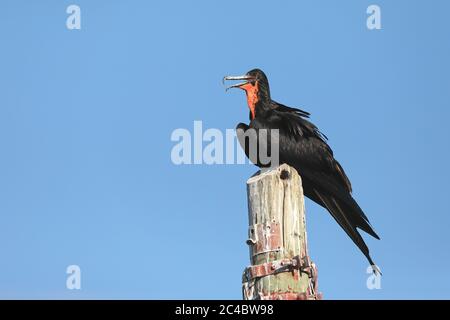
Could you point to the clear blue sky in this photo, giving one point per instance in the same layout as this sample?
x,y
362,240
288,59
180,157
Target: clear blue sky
x,y
86,117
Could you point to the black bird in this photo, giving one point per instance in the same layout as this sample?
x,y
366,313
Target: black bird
x,y
304,147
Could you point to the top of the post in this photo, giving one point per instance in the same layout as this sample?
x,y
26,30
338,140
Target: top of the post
x,y
261,174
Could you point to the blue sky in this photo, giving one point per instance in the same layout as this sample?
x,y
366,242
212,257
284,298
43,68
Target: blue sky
x,y
86,116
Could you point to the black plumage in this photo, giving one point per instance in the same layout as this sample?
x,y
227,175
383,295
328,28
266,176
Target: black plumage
x,y
304,147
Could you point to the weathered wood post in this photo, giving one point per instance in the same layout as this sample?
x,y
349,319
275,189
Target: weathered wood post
x,y
280,266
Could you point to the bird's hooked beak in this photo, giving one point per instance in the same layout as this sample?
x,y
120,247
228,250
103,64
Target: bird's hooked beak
x,y
247,79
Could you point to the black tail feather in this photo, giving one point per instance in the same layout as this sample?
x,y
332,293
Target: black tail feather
x,y
349,219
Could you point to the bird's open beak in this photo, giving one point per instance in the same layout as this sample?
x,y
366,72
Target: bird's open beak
x,y
238,85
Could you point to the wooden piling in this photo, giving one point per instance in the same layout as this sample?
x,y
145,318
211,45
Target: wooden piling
x,y
280,265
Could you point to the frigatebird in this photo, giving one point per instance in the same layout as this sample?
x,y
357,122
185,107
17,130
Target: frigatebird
x,y
302,146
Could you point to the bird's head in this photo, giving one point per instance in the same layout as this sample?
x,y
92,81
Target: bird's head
x,y
256,86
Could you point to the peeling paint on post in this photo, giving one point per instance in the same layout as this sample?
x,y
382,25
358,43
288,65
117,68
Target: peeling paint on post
x,y
280,266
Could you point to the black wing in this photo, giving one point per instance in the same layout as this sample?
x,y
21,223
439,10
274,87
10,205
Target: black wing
x,y
303,139
305,148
